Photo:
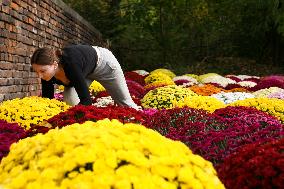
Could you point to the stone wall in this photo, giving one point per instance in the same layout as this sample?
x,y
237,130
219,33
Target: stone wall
x,y
28,24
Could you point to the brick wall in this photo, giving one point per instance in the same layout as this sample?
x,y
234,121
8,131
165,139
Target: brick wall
x,y
28,24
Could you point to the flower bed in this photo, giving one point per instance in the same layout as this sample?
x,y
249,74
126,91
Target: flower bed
x,y
258,165
30,110
106,154
215,136
80,114
274,107
9,133
165,97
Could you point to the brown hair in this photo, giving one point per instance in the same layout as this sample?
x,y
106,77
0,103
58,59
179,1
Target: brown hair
x,y
45,56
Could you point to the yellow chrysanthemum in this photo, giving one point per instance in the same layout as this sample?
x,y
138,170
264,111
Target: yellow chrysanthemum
x,y
158,78
272,106
159,84
30,110
165,97
207,103
60,88
164,71
105,154
96,87
204,76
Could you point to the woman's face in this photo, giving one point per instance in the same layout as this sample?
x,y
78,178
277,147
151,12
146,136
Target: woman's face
x,y
45,72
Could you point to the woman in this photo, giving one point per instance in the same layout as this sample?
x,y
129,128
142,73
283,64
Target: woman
x,y
75,67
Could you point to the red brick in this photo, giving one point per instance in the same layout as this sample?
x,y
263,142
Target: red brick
x,y
14,6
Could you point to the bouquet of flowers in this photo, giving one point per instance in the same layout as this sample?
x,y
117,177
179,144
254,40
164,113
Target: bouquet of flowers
x,y
105,154
257,165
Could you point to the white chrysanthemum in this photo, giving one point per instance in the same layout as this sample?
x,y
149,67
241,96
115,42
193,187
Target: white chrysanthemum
x,y
190,80
104,101
141,72
230,97
223,81
267,91
248,84
243,77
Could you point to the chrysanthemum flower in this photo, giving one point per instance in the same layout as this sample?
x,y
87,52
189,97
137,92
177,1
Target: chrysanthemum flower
x,y
30,110
165,97
105,154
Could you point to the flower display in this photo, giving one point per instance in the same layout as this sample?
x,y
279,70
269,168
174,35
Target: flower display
x,y
270,81
135,89
30,110
153,86
231,129
134,76
9,133
234,77
238,89
158,77
257,165
206,90
231,97
272,106
104,102
207,103
141,72
105,154
217,79
204,76
193,76
165,97
267,92
80,114
279,95
185,80
58,96
247,84
96,87
168,121
239,78
249,115
163,71
150,111
156,80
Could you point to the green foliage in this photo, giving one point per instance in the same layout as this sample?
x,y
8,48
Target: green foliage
x,y
148,34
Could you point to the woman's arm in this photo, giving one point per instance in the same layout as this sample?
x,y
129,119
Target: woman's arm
x,y
47,88
74,73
